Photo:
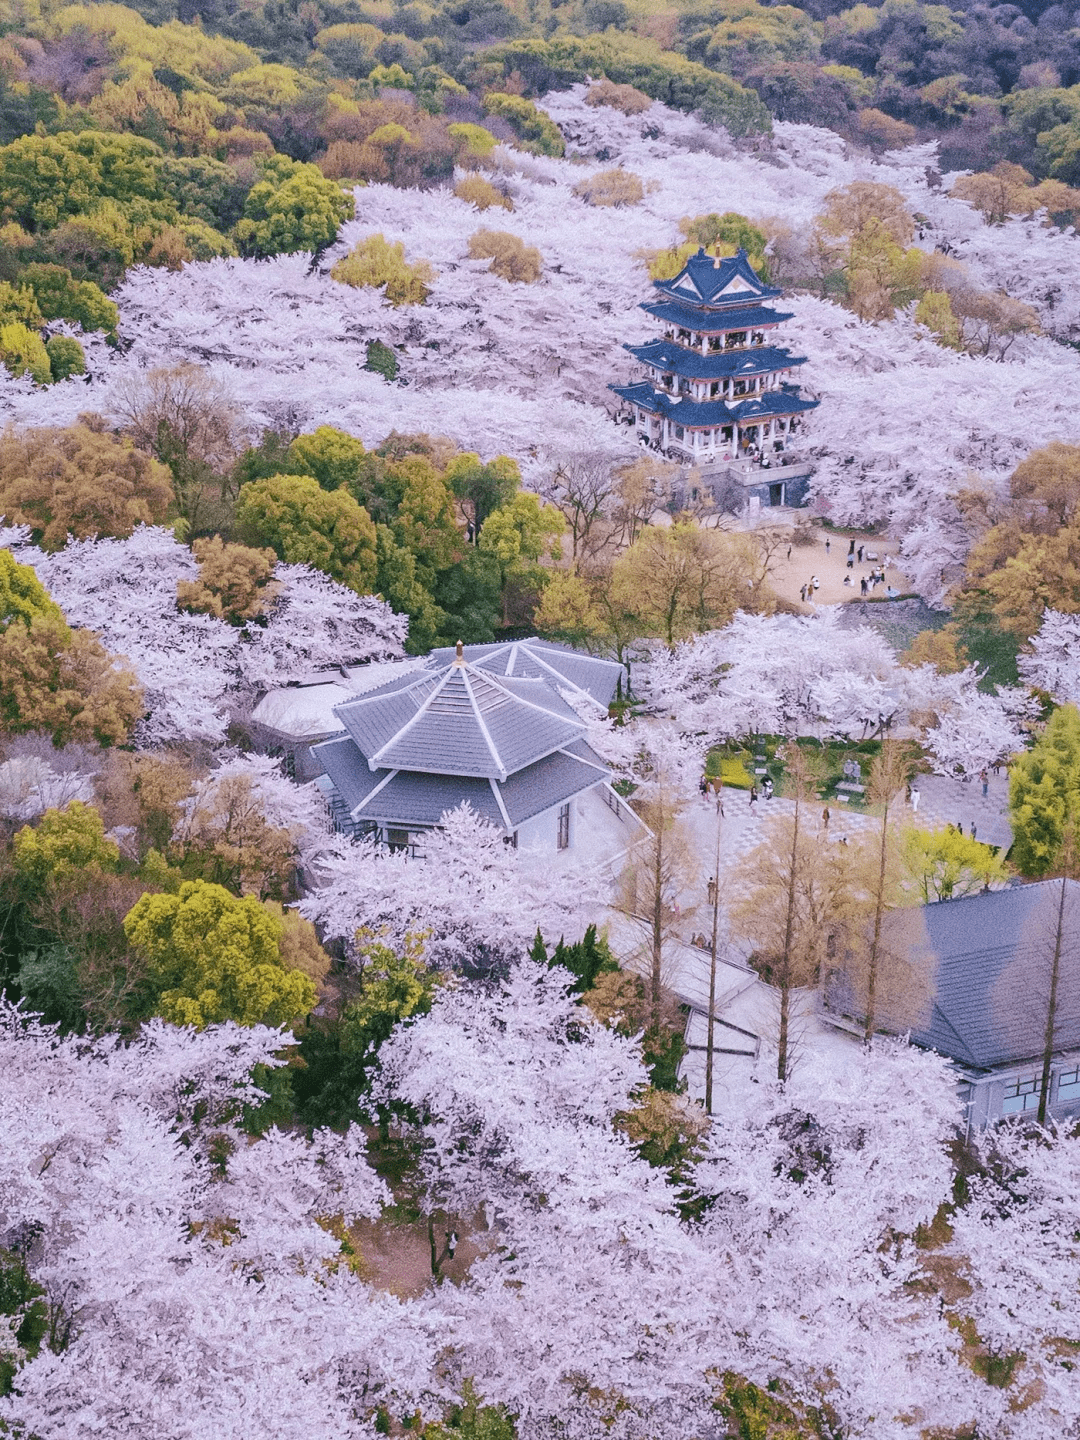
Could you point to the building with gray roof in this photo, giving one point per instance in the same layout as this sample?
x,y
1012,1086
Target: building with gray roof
x,y
990,958
490,725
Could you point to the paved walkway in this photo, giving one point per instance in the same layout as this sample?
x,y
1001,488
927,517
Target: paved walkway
x,y
952,802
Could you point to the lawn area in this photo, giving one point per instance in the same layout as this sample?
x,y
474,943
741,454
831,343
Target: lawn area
x,y
738,764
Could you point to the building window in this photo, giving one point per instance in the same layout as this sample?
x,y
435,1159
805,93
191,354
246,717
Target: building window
x,y
1069,1084
564,827
678,432
1020,1095
397,839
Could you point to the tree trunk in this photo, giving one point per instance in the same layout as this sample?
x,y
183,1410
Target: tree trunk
x,y
1051,1008
784,977
657,920
711,1038
875,944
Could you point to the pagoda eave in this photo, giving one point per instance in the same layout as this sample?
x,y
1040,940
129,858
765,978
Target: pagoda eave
x,y
706,414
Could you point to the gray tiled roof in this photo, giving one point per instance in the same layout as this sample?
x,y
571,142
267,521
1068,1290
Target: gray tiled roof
x,y
549,782
460,720
544,660
409,799
347,768
992,954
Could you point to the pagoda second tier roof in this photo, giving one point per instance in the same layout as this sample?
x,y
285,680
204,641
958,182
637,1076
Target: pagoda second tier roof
x,y
675,359
709,280
710,320
459,720
698,413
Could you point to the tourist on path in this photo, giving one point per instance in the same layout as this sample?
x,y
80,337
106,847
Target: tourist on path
x,y
915,798
985,778
753,797
851,547
825,818
860,550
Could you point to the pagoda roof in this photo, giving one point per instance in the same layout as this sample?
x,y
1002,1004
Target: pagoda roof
x,y
711,321
533,659
665,355
707,413
459,720
408,798
708,280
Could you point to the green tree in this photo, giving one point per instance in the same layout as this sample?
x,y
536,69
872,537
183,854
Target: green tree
x,y
333,457
45,179
1044,794
519,536
537,132
944,864
304,524
400,586
63,844
23,352
22,595
60,296
482,488
66,356
214,957
293,207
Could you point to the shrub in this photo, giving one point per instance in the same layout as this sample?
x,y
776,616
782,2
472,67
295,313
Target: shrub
x,y
510,257
536,131
381,359
476,142
620,97
23,352
883,132
66,357
610,187
378,263
475,191
231,583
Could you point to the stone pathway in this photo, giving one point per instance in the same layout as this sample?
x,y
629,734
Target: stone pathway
x,y
952,802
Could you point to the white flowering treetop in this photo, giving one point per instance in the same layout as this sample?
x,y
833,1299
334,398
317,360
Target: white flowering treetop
x,y
1053,663
809,674
478,899
187,1266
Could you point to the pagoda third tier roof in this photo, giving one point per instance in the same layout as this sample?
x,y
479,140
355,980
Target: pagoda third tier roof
x,y
670,358
705,280
708,320
698,413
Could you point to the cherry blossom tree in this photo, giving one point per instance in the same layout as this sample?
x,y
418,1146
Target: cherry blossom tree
x,y
192,1277
1053,663
479,900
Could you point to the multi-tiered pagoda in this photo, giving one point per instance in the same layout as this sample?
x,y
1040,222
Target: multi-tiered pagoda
x,y
718,389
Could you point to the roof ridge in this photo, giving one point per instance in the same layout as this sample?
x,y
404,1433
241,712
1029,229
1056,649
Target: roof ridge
x,y
466,680
420,710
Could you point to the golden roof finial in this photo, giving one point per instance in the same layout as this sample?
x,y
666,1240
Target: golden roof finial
x,y
459,652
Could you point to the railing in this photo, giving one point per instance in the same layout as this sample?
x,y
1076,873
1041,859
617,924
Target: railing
x,y
612,801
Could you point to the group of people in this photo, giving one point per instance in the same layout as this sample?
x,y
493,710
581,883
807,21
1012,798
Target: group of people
x,y
867,583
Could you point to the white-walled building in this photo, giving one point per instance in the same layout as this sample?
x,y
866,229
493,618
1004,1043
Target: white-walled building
x,y
489,725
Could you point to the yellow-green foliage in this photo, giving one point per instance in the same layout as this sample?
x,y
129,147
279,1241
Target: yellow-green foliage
x,y
751,34
377,262
476,191
477,141
719,235
306,525
293,207
22,595
611,187
214,957
510,257
944,864
65,842
23,352
536,131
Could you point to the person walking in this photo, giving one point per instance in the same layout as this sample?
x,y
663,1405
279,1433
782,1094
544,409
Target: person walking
x,y
815,582
851,547
828,544
802,594
915,798
985,778
753,798
860,550
825,818
789,552
864,589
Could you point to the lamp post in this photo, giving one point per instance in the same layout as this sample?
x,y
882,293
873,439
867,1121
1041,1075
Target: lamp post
x,y
714,888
